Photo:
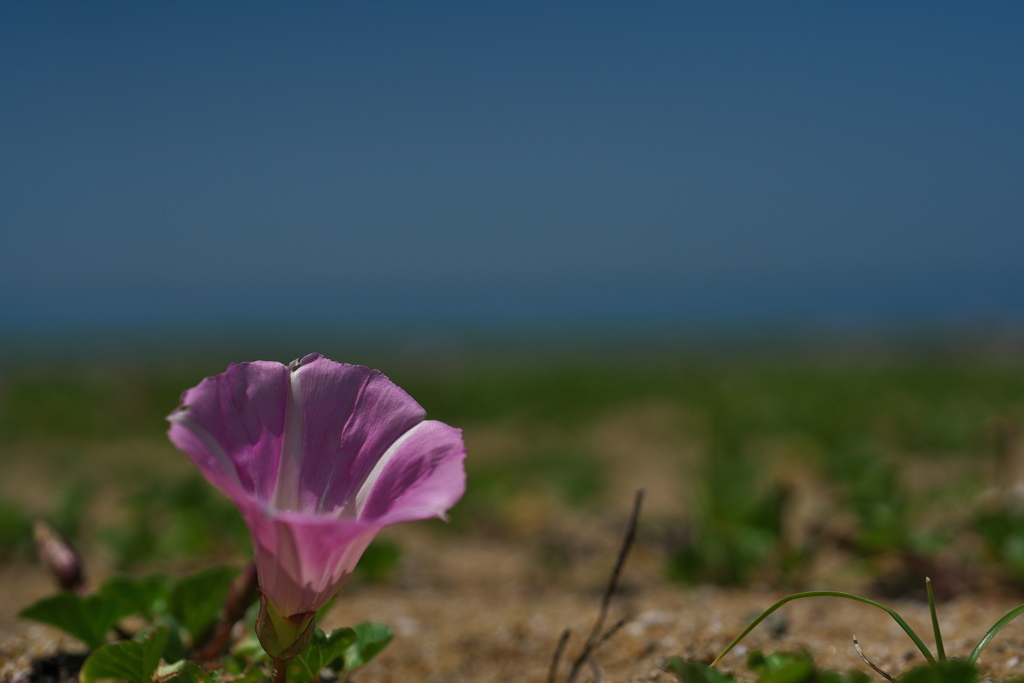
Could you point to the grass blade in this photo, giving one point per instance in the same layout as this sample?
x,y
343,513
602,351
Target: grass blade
x,y
833,594
935,621
999,625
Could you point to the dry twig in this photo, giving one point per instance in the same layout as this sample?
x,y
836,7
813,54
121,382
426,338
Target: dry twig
x,y
598,636
557,658
867,661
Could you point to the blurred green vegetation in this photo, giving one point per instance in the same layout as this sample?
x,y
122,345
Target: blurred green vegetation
x,y
928,405
777,667
566,470
187,518
857,420
15,531
737,524
799,667
931,404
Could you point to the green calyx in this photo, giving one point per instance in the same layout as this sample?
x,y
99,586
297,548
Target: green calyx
x,y
283,637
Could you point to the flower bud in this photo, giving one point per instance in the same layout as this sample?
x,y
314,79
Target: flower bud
x,y
59,556
283,637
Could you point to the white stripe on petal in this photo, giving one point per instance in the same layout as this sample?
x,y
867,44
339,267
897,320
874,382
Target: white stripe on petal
x,y
371,479
289,471
212,447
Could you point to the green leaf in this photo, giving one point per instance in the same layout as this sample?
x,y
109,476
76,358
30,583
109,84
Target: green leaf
x,y
778,667
196,600
372,637
322,651
335,644
239,668
695,672
148,595
853,676
89,619
782,667
182,671
129,661
252,674
174,648
950,671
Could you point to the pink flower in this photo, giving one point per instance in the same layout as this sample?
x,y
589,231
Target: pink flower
x,y
318,456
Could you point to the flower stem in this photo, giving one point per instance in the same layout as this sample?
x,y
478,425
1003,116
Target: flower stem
x,y
280,670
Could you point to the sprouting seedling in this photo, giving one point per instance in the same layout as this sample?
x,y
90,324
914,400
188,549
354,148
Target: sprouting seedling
x,y
972,658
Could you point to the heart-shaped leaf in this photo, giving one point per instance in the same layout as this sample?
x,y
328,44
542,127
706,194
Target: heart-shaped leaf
x,y
129,661
182,671
323,649
148,595
371,638
196,600
89,618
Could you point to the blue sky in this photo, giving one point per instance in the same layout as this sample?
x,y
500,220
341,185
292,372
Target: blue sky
x,y
480,164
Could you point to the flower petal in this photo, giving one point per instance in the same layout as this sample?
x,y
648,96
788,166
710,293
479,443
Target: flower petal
x,y
350,416
303,560
231,426
421,476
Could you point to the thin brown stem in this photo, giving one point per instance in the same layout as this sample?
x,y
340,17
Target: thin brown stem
x,y
557,658
597,636
217,641
606,636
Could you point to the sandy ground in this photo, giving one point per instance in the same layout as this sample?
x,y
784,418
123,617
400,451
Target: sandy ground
x,y
490,606
473,609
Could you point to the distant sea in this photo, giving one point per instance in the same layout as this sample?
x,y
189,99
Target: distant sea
x,y
446,318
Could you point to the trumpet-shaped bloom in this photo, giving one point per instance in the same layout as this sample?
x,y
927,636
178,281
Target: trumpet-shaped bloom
x,y
318,456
